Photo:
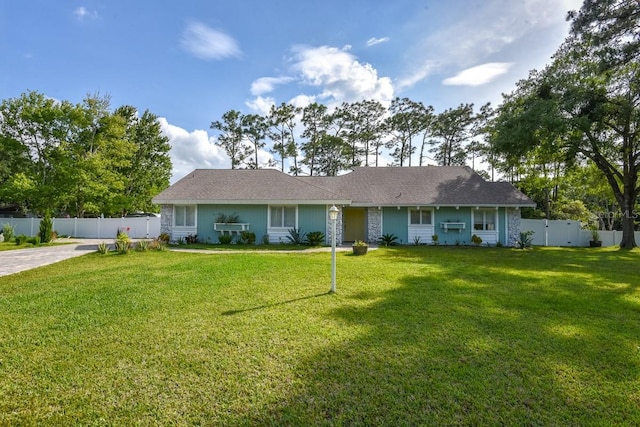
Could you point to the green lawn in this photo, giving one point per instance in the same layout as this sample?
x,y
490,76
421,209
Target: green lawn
x,y
414,336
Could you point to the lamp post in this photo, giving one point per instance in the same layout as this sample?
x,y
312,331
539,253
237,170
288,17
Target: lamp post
x,y
333,217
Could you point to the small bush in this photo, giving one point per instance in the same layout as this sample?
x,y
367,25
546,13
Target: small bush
x,y
123,234
191,239
225,239
46,228
143,246
526,237
35,240
315,238
265,239
476,240
164,237
123,246
248,237
416,241
8,232
296,236
388,239
20,239
103,248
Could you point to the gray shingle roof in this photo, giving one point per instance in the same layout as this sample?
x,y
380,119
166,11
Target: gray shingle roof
x,y
227,186
365,186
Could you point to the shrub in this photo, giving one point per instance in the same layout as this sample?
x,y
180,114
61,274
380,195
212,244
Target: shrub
x,y
248,237
123,246
388,239
434,239
225,239
164,237
526,237
35,240
296,236
315,238
191,239
20,239
8,232
476,240
265,239
227,219
416,241
103,248
143,246
46,228
123,234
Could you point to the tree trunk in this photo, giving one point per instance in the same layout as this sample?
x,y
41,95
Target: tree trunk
x,y
628,222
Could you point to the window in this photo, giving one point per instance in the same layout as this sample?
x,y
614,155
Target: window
x,y
283,216
184,216
484,220
420,217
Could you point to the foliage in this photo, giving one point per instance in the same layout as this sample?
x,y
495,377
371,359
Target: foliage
x,y
164,237
434,239
225,239
191,239
388,239
248,237
315,238
8,232
446,330
46,228
525,239
223,218
80,159
123,246
35,240
231,139
296,236
416,241
476,240
360,243
143,245
595,234
20,239
103,248
265,239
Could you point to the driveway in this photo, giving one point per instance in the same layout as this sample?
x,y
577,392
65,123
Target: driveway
x,y
25,259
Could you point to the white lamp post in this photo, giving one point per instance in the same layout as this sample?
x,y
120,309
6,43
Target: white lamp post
x,y
333,217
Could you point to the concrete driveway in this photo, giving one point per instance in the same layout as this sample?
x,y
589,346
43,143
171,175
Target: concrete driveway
x,y
25,259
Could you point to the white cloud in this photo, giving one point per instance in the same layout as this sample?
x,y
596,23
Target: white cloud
x,y
192,150
374,41
478,75
82,13
418,74
261,105
267,84
488,31
340,75
206,43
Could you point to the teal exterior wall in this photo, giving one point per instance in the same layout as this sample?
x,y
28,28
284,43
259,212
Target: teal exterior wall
x,y
394,221
451,214
310,218
255,215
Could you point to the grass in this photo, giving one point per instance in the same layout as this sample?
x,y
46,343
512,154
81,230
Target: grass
x,y
10,246
245,247
414,336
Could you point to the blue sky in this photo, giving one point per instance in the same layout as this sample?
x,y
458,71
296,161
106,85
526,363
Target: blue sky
x,y
190,61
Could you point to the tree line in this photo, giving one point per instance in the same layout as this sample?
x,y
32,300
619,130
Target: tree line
x,y
80,159
315,141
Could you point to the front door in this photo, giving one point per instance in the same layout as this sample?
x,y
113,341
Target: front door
x,y
354,223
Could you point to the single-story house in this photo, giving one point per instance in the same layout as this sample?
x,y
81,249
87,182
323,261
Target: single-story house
x,y
412,203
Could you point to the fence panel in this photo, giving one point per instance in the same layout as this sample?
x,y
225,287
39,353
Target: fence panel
x,y
94,228
567,233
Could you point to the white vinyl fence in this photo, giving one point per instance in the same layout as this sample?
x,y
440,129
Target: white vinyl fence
x,y
567,233
95,228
